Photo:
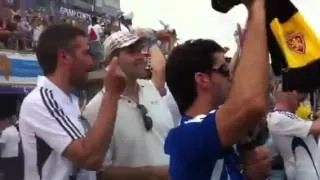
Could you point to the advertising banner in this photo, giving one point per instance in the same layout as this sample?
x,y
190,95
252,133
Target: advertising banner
x,y
18,69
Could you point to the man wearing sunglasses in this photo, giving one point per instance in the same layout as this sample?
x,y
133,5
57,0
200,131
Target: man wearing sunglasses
x,y
218,112
143,118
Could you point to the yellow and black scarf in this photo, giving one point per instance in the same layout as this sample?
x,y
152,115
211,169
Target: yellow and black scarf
x,y
294,47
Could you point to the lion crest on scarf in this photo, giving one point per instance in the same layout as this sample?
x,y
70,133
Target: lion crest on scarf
x,y
296,42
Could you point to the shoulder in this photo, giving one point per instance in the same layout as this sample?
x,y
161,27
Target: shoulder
x,y
199,118
97,26
95,101
280,115
287,114
91,110
37,104
31,109
201,122
286,123
10,133
148,86
194,136
145,82
33,98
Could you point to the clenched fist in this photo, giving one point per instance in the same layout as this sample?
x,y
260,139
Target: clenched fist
x,y
257,163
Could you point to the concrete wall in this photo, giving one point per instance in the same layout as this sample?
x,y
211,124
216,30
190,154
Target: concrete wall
x,y
112,3
83,4
109,7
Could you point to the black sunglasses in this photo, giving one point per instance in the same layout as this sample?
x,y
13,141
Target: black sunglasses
x,y
137,47
222,70
147,120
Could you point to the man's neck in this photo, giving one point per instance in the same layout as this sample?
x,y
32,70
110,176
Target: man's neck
x,y
282,106
200,106
62,83
132,89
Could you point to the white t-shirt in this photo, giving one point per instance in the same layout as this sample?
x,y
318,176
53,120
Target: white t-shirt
x,y
132,145
299,150
124,28
173,107
49,121
10,140
37,32
97,29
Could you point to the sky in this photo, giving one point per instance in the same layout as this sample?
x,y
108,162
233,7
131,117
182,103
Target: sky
x,y
196,19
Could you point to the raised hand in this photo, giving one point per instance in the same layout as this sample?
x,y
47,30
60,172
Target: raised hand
x,y
145,32
159,173
115,78
239,35
249,3
257,163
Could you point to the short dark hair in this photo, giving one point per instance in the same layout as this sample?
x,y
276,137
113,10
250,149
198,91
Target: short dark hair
x,y
94,19
55,37
17,17
185,60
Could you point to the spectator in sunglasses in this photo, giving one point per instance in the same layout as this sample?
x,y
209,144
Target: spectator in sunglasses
x,y
217,112
143,118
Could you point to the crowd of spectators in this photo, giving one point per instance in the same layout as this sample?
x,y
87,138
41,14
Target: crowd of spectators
x,y
21,30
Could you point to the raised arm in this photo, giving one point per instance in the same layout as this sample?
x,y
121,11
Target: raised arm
x,y
158,62
90,151
247,100
234,62
238,35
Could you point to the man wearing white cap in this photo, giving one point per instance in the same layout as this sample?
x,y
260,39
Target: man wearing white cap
x,y
143,118
126,22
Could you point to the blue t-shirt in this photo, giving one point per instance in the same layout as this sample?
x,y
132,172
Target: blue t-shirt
x,y
196,154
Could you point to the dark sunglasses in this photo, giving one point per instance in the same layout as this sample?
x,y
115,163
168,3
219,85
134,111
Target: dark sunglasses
x,y
222,70
137,47
133,49
147,120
